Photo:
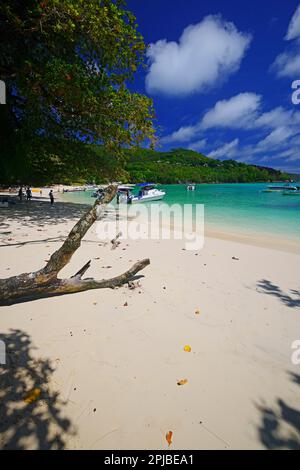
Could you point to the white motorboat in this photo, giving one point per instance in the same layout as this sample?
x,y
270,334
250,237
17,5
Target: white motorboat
x,y
293,192
191,187
147,193
276,189
74,189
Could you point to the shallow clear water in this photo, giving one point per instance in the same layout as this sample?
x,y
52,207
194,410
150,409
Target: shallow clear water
x,y
241,207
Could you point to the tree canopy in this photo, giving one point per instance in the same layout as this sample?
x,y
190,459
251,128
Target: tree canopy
x,y
66,66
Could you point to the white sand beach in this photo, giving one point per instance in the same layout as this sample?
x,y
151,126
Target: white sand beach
x,y
107,362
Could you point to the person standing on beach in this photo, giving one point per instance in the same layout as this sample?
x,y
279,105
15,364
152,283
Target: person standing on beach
x,y
28,194
51,197
20,193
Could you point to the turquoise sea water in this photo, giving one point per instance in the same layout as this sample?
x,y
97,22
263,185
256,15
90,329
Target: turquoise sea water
x,y
234,207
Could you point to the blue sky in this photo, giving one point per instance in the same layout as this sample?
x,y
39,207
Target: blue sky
x,y
220,74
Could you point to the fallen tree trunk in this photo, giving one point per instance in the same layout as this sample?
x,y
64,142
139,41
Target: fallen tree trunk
x,y
45,282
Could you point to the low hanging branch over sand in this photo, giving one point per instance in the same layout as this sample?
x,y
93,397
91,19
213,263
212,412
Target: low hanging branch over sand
x,y
44,282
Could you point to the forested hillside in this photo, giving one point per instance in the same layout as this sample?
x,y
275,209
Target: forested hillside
x,y
182,165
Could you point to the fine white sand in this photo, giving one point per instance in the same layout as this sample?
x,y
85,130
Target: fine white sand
x,y
107,362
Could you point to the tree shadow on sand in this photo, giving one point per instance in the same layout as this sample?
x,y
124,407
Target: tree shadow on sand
x,y
40,216
280,427
291,299
38,213
23,425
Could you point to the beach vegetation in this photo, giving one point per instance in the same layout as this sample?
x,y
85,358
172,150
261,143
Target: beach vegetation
x,y
67,68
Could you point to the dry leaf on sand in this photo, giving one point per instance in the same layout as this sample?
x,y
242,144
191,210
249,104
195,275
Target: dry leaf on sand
x,y
169,436
182,382
32,396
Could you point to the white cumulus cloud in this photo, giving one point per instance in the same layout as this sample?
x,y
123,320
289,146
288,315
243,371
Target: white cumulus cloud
x,y
226,150
275,118
198,146
287,64
293,31
237,112
206,54
183,134
275,139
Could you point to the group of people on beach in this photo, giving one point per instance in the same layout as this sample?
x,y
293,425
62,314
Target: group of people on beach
x,y
28,194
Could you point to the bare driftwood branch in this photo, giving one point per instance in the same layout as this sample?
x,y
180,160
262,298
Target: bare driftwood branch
x,y
45,282
81,271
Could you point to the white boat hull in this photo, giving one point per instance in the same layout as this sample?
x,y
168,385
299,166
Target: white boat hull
x,y
157,197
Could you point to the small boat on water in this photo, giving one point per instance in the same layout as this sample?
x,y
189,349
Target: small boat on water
x,y
147,192
293,192
191,187
75,189
276,189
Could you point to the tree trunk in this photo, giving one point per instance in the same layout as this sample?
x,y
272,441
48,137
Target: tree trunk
x,y
44,282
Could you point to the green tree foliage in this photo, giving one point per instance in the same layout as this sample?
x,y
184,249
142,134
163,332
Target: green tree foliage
x,y
66,64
